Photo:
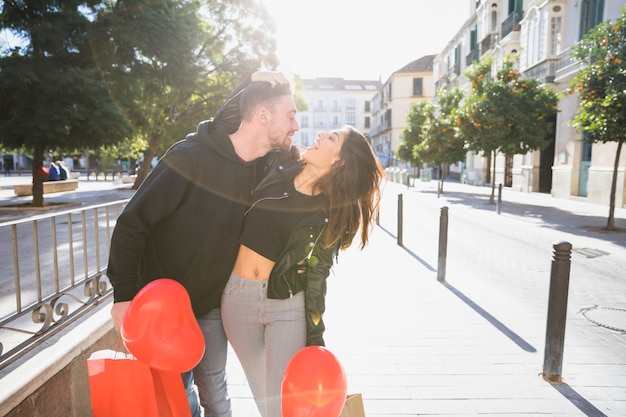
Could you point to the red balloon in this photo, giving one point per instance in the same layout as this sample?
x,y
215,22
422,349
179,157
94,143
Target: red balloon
x,y
160,328
314,384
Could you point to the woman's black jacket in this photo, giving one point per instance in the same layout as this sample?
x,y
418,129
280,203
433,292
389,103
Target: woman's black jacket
x,y
285,281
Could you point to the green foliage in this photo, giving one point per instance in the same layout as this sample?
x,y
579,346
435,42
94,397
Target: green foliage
x,y
508,114
442,142
171,64
601,82
101,74
412,133
51,92
601,85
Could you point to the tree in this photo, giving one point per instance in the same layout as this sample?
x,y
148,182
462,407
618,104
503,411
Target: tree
x,y
412,133
601,85
442,144
52,94
171,65
507,114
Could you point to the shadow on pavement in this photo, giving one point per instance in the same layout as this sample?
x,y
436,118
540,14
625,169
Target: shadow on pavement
x,y
420,260
575,398
491,319
551,217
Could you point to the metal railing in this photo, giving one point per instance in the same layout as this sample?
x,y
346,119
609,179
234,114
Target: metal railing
x,y
52,270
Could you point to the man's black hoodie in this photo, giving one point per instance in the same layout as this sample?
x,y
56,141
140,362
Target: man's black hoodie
x,y
185,220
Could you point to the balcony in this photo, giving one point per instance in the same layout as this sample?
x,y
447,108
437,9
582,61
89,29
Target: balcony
x,y
379,129
566,66
544,71
511,23
488,43
471,57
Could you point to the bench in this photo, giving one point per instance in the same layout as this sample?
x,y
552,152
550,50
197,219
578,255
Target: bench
x,y
48,187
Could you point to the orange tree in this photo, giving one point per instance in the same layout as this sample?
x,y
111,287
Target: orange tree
x,y
442,144
601,85
412,133
506,114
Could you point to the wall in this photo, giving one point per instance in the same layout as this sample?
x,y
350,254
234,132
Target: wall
x,y
51,380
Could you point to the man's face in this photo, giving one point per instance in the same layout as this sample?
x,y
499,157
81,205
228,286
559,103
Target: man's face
x,y
283,124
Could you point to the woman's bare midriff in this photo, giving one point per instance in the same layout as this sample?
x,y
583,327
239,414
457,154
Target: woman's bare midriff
x,y
251,265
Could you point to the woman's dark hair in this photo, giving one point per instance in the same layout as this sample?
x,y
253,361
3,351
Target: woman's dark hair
x,y
353,191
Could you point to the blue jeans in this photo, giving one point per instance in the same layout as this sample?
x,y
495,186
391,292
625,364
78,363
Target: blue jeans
x,y
210,374
265,334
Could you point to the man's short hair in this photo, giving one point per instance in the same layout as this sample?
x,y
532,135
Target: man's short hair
x,y
259,94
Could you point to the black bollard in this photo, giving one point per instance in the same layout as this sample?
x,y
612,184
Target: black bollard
x,y
499,205
399,219
557,312
443,245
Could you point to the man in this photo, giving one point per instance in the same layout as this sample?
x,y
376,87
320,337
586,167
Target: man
x,y
185,220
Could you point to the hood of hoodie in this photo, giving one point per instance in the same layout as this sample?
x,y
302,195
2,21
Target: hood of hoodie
x,y
214,135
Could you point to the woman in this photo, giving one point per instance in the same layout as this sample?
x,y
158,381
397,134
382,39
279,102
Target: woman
x,y
303,213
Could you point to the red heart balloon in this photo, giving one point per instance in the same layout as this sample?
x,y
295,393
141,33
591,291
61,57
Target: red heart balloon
x,y
160,328
314,384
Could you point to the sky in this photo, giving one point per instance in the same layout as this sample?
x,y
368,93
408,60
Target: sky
x,y
359,39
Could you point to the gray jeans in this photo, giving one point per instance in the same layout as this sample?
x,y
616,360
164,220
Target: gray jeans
x,y
265,335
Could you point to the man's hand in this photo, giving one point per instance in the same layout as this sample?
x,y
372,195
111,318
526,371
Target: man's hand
x,y
118,311
272,77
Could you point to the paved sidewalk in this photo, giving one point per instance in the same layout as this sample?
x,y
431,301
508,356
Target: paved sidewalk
x,y
473,345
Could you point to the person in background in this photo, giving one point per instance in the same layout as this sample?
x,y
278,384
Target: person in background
x,y
53,172
303,213
185,220
64,172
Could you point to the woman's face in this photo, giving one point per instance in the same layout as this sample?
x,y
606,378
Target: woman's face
x,y
325,150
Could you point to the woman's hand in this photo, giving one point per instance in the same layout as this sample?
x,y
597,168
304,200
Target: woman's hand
x,y
272,77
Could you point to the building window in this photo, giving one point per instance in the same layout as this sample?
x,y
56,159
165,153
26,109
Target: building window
x,y
367,122
591,13
350,105
335,121
336,106
304,121
417,87
320,105
367,106
304,139
319,121
555,35
351,119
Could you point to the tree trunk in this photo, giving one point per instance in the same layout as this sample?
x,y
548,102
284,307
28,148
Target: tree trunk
x,y
37,178
144,168
493,181
444,174
610,224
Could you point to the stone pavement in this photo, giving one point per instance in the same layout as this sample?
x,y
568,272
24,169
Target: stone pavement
x,y
474,344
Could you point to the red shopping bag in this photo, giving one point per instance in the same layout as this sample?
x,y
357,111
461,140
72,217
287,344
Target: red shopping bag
x,y
122,386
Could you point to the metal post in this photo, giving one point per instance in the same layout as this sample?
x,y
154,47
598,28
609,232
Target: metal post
x,y
557,312
399,219
499,205
443,244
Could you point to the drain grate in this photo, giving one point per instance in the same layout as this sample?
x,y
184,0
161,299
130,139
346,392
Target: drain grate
x,y
608,317
589,253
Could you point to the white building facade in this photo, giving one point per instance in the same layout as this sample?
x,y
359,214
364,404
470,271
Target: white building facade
x,y
540,33
392,102
333,103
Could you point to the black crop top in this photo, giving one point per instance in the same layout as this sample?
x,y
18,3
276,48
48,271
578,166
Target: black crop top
x,y
271,219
